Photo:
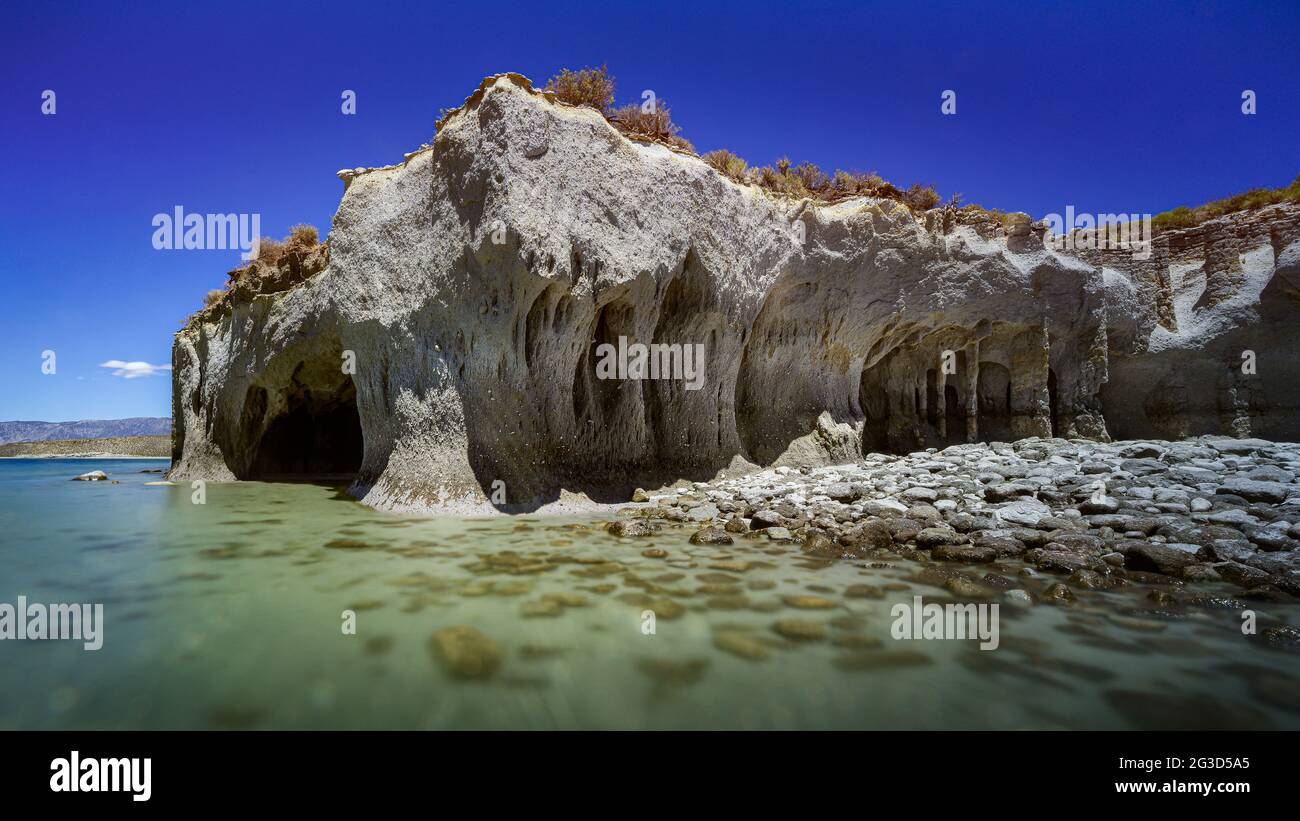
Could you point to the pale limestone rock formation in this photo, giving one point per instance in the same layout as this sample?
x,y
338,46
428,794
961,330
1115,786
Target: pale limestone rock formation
x,y
1187,325
473,283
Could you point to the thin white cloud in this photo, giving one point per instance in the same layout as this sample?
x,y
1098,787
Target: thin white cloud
x,y
134,370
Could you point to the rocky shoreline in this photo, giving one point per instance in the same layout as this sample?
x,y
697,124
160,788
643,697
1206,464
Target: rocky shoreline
x,y
1037,519
114,447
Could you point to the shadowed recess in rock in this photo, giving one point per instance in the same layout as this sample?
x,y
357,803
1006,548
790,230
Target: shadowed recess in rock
x,y
313,432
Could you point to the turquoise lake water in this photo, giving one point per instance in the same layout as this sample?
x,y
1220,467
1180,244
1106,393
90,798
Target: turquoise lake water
x,y
228,614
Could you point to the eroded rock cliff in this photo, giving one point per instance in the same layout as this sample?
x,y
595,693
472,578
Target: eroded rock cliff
x,y
473,284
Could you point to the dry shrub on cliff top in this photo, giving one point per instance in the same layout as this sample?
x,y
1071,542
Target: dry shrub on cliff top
x,y
302,239
808,180
727,164
652,121
976,211
1255,198
592,87
280,264
921,197
812,179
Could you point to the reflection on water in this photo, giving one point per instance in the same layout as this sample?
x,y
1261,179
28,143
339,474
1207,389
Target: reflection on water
x,y
229,615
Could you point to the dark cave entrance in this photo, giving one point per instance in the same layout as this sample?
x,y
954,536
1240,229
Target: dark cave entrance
x,y
932,399
993,392
315,436
597,400
954,416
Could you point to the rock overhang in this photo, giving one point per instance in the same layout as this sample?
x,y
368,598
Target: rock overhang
x,y
475,281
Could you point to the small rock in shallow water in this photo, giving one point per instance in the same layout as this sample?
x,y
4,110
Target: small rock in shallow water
x,y
980,553
92,476
466,652
740,643
666,609
863,591
1058,593
1201,573
673,673
870,535
857,641
630,527
710,535
1063,561
1092,580
962,586
1161,597
1281,638
731,565
567,599
542,608
809,602
816,544
1018,598
800,630
1241,574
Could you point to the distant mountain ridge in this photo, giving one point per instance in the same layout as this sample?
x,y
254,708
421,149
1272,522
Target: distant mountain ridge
x,y
19,431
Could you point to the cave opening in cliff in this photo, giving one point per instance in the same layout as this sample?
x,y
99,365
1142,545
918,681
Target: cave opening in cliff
x,y
993,397
314,430
596,400
932,398
954,416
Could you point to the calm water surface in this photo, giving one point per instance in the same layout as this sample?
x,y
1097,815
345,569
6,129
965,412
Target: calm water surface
x,y
228,615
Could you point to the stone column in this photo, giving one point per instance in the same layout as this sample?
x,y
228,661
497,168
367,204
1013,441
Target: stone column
x,y
941,400
1031,413
972,391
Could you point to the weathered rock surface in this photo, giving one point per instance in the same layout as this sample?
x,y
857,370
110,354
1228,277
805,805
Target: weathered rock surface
x,y
1153,535
1186,325
472,285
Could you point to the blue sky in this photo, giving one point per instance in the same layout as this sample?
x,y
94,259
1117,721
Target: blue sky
x,y
235,107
